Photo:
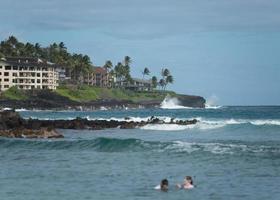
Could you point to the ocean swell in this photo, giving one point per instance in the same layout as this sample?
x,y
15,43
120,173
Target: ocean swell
x,y
103,144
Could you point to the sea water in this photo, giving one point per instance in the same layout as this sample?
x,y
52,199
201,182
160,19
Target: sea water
x,y
232,153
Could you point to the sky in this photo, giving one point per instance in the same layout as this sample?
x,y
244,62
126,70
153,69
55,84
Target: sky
x,y
224,50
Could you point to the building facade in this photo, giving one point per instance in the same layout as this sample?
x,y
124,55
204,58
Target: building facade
x,y
99,77
27,73
135,84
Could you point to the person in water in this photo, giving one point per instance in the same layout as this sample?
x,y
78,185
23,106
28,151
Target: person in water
x,y
187,184
163,185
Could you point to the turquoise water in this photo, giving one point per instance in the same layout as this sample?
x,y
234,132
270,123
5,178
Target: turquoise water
x,y
232,153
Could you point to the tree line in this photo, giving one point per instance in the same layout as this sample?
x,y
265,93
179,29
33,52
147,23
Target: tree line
x,y
77,64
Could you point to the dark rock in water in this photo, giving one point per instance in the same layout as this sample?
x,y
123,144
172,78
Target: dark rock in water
x,y
186,122
191,101
10,119
155,120
12,125
129,125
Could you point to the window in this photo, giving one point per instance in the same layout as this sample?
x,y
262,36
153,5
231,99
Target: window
x,y
0,73
14,74
8,67
6,86
15,68
38,74
0,80
38,81
6,73
6,80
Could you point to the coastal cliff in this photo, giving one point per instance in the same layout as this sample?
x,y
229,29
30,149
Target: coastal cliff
x,y
88,98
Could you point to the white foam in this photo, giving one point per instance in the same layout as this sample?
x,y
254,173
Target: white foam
x,y
7,108
166,127
172,103
215,148
21,110
265,122
212,106
103,108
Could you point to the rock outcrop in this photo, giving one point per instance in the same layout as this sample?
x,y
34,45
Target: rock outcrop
x,y
12,125
191,101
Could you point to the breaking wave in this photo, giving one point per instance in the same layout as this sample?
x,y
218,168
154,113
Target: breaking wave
x,y
172,103
135,145
205,124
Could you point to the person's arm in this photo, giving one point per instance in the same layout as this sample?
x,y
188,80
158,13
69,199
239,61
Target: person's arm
x,y
179,186
157,187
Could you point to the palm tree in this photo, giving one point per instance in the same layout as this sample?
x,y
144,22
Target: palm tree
x,y
165,72
62,46
154,82
108,65
127,61
169,79
12,40
145,72
29,49
162,83
119,71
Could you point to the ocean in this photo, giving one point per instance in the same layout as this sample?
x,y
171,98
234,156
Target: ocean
x,y
232,153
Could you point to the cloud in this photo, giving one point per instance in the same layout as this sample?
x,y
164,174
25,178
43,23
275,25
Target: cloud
x,y
143,19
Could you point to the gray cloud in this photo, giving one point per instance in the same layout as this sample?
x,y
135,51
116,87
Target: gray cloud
x,y
142,18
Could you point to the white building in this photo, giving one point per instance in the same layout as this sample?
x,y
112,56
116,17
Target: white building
x,y
27,73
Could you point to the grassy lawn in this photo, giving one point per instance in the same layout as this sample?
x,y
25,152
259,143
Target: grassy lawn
x,y
88,93
85,93
14,93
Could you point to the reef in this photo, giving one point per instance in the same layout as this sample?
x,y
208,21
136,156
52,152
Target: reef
x,y
14,126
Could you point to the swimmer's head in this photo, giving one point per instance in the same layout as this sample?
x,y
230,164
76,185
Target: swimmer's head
x,y
189,180
164,185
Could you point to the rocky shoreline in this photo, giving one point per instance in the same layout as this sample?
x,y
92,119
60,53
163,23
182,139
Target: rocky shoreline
x,y
13,126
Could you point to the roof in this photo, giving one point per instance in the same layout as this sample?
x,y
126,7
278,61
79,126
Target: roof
x,y
100,70
27,61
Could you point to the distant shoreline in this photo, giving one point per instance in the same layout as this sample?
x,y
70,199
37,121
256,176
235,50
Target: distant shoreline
x,y
52,100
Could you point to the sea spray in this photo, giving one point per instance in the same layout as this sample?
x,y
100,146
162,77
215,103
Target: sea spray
x,y
172,103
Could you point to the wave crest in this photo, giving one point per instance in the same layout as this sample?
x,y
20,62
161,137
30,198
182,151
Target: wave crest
x,y
136,145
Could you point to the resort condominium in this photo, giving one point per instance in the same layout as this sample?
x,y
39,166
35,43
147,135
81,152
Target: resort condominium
x,y
27,73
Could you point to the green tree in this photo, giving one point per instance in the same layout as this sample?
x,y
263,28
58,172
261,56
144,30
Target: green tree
x,y
162,83
108,65
154,82
127,61
165,72
169,80
145,72
166,77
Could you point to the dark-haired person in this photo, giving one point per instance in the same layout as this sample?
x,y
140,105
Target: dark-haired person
x,y
163,185
187,184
